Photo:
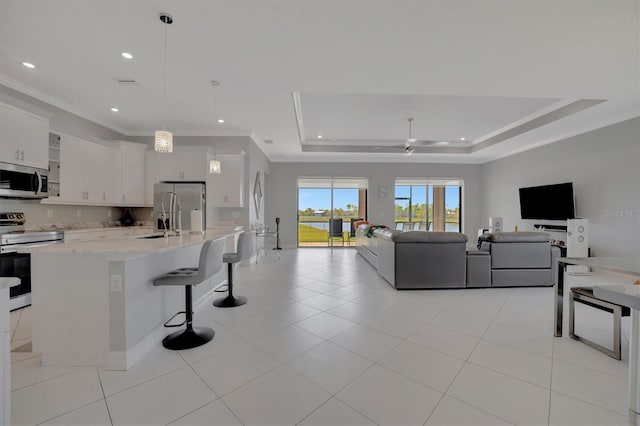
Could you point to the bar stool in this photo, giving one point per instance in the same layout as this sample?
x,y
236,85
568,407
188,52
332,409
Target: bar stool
x,y
585,296
209,264
246,247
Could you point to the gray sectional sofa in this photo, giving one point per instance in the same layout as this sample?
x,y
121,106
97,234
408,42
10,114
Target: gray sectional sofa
x,y
428,260
520,258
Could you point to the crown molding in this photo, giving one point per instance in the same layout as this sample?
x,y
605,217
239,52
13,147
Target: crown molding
x,y
53,101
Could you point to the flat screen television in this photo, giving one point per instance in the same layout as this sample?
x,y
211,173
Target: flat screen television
x,y
552,202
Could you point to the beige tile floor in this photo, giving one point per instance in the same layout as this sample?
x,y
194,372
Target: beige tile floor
x,y
325,341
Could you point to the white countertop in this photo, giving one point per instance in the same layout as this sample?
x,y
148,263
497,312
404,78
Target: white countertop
x,y
128,246
8,282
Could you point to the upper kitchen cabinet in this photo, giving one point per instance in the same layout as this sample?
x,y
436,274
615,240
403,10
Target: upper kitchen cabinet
x,y
132,171
89,173
228,186
186,163
24,138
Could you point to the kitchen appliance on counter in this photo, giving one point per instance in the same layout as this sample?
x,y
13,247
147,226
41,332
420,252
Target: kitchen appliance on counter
x,y
173,202
13,264
23,182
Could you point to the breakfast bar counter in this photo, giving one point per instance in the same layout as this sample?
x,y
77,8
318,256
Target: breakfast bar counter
x,y
94,303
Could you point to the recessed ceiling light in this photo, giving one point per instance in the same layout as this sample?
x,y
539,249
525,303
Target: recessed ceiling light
x,y
220,120
127,55
114,109
462,139
28,65
319,136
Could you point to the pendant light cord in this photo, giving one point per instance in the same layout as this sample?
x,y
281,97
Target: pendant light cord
x,y
164,89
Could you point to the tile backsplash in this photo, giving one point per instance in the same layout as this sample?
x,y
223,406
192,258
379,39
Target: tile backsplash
x,y
62,216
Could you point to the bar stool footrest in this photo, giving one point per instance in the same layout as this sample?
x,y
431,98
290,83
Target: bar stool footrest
x,y
167,325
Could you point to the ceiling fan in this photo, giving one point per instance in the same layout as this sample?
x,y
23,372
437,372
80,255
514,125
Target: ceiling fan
x,y
409,145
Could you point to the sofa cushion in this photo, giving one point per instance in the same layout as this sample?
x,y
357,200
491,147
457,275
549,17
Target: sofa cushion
x,y
517,237
429,237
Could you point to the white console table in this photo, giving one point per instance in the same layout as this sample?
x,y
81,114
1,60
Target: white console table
x,y
5,350
625,295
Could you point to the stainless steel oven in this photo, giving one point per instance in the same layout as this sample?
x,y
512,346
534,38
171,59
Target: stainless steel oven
x,y
14,264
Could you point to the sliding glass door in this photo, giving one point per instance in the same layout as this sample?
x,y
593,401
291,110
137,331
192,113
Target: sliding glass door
x,y
428,204
326,209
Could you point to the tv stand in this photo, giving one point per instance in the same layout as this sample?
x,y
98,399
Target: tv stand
x,y
553,228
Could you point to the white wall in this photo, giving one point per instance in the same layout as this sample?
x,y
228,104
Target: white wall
x,y
604,166
258,163
281,190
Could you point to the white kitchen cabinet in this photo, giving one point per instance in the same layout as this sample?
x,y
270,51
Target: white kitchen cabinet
x,y
228,186
24,139
72,167
132,172
89,172
189,163
9,151
102,175
34,140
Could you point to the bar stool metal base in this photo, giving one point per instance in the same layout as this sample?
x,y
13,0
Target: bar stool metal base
x,y
230,301
188,338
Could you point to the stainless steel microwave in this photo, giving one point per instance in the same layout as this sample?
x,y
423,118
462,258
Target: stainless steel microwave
x,y
23,182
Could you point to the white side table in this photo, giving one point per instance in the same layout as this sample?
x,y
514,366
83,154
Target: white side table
x,y
5,350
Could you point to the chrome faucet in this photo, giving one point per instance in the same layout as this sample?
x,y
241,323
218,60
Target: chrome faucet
x,y
176,219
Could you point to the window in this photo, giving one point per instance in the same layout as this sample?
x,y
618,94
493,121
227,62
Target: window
x,y
326,209
428,204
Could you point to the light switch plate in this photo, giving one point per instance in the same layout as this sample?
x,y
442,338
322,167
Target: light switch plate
x,y
79,213
108,212
49,213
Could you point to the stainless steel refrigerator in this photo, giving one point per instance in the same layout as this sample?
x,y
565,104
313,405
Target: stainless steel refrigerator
x,y
188,196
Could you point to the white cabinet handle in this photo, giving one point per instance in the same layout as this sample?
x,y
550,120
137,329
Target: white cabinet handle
x,y
17,154
21,155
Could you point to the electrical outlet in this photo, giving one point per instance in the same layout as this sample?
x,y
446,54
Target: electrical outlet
x,y
49,213
115,281
78,213
108,212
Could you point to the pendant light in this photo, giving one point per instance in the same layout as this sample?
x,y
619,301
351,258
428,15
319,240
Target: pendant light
x,y
163,138
214,165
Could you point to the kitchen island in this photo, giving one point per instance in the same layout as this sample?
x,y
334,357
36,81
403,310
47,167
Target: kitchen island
x,y
94,303
5,345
